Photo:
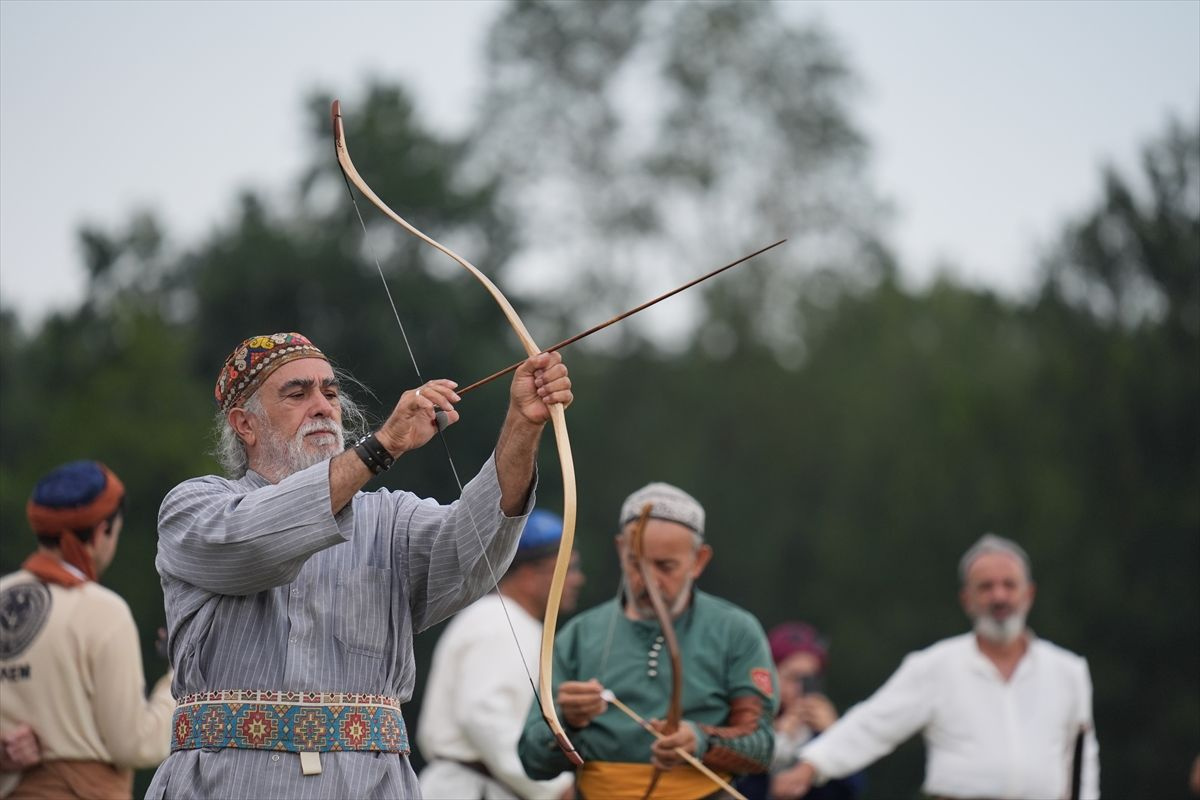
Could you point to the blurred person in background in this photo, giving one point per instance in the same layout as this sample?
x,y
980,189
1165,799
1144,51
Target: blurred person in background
x,y
292,596
620,650
70,660
1004,714
478,693
801,658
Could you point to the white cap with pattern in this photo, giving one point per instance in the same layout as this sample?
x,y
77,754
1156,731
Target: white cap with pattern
x,y
668,503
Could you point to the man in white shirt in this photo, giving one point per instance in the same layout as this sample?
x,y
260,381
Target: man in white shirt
x,y
1004,714
479,693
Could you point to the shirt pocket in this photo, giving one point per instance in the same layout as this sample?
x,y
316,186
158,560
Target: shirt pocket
x,y
364,603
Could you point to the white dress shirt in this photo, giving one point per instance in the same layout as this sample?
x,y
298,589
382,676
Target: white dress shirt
x,y
475,704
984,736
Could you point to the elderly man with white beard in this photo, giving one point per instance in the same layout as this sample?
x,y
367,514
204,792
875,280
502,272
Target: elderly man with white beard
x,y
1004,714
292,597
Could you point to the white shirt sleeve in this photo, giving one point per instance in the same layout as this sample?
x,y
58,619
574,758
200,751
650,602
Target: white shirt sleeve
x,y
876,726
491,705
1089,778
135,730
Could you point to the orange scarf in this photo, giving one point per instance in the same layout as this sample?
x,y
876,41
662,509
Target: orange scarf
x,y
51,570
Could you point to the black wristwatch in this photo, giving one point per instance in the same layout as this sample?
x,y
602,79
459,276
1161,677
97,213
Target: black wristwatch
x,y
373,454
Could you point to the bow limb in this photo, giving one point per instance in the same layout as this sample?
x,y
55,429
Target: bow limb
x,y
558,420
675,707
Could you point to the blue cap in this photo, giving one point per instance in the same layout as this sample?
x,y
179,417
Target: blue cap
x,y
70,485
543,531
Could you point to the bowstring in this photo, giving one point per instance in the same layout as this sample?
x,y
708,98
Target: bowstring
x,y
441,434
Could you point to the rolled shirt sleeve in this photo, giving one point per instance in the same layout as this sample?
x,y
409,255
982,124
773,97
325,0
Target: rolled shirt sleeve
x,y
135,730
454,554
234,538
876,726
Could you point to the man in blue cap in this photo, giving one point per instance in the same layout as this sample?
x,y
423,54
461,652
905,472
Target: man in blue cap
x,y
478,692
70,662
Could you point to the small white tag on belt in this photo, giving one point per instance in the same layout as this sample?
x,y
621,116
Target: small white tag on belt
x,y
310,763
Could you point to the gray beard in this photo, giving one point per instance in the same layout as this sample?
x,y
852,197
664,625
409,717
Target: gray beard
x,y
998,632
675,609
280,457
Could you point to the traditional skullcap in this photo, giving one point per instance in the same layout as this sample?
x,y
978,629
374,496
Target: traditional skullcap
x,y
254,359
541,536
668,503
74,497
789,638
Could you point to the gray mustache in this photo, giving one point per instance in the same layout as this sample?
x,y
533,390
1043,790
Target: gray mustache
x,y
326,426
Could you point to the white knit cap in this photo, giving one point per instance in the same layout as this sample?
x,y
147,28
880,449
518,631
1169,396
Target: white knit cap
x,y
668,502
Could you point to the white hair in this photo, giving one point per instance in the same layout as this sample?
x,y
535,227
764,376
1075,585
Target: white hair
x,y
991,543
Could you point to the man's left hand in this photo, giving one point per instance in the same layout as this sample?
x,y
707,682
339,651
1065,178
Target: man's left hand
x,y
662,752
539,383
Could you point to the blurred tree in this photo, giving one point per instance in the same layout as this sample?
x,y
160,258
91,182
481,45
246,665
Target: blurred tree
x,y
640,139
1119,329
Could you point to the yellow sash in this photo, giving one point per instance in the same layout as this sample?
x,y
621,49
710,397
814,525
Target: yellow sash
x,y
614,780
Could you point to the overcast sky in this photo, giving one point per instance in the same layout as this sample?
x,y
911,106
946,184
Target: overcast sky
x,y
989,121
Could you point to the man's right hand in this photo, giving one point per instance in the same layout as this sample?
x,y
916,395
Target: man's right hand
x,y
19,749
581,702
413,421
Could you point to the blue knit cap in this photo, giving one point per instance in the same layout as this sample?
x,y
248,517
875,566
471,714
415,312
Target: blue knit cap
x,y
543,531
71,485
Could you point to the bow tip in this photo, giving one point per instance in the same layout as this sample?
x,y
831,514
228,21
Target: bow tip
x,y
569,749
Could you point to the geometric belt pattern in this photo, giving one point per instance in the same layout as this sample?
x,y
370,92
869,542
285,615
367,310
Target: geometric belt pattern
x,y
296,722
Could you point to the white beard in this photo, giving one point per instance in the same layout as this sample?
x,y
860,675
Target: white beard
x,y
997,631
283,457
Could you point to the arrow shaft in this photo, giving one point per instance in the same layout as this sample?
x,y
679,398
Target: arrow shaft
x,y
619,317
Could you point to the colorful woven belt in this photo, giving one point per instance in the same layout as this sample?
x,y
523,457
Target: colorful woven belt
x,y
297,722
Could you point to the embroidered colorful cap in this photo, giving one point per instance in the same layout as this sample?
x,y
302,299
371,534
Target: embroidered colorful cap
x,y
668,502
74,496
256,358
541,536
788,638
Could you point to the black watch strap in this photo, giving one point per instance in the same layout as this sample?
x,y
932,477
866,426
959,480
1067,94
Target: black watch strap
x,y
373,454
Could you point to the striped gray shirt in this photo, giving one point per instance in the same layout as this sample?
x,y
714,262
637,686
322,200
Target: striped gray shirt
x,y
265,588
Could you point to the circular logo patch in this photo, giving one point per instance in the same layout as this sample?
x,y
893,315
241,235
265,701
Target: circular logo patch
x,y
23,611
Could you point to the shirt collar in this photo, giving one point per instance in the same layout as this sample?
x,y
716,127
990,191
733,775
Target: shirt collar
x,y
254,480
982,664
